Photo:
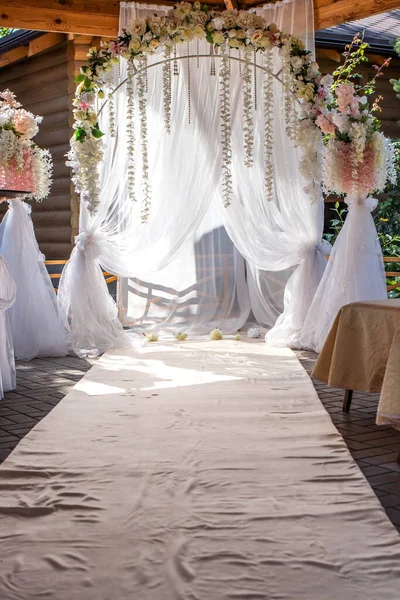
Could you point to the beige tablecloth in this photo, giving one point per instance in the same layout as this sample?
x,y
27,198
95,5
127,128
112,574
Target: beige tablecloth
x,y
362,352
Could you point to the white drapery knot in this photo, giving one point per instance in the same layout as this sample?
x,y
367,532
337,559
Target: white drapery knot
x,y
361,201
308,250
88,243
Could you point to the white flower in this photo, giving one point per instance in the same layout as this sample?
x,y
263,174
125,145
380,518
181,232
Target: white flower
x,y
296,63
342,122
313,70
152,337
137,27
253,333
216,334
181,337
218,23
218,37
4,118
327,80
135,45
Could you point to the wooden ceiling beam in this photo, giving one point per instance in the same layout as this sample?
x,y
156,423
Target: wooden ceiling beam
x,y
34,47
334,12
100,17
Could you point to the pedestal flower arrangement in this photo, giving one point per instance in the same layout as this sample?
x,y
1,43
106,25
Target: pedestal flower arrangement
x,y
23,165
358,159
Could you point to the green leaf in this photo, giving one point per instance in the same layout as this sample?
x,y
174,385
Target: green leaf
x,y
79,78
97,133
80,135
87,84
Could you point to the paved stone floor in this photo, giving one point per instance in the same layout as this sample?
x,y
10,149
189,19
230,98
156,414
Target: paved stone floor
x,y
42,383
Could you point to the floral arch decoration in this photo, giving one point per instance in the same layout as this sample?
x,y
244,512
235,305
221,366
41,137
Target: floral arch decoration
x,y
342,149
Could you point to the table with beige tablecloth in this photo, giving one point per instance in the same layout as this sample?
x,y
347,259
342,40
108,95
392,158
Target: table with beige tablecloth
x,y
362,352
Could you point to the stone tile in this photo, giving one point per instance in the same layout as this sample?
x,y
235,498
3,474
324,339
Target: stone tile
x,y
353,445
373,470
392,466
378,461
4,453
20,418
375,451
380,480
386,441
391,488
394,515
379,493
382,459
390,501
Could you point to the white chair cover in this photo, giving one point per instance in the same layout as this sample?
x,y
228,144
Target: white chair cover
x,y
36,327
8,291
355,272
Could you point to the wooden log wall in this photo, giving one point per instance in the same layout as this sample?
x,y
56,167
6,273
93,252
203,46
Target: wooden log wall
x,y
41,84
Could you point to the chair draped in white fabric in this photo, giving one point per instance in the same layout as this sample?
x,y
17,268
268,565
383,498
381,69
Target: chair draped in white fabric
x,y
197,264
35,325
8,291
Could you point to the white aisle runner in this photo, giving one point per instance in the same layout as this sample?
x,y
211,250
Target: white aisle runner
x,y
193,471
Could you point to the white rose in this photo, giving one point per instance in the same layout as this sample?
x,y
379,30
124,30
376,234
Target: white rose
x,y
296,63
313,70
137,27
309,92
218,23
327,80
218,37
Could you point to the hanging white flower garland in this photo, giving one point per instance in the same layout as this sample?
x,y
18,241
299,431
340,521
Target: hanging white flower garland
x,y
307,99
229,29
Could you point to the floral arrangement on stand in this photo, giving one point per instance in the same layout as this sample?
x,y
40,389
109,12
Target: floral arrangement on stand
x,y
23,165
234,34
358,158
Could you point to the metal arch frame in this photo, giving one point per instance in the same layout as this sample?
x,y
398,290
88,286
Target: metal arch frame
x,y
186,56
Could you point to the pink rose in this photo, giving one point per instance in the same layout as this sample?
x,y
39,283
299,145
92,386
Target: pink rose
x,y
345,95
325,124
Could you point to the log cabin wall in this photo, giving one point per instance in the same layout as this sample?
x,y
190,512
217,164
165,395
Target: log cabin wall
x,y
40,83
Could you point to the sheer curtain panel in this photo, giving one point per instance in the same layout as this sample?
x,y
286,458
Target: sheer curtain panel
x,y
185,268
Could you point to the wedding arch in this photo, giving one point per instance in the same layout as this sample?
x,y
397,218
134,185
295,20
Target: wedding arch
x,y
171,80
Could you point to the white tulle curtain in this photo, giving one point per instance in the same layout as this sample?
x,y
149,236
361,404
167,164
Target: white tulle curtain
x,y
181,270
355,272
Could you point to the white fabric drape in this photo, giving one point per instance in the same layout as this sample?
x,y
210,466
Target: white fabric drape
x,y
180,270
35,325
8,291
355,272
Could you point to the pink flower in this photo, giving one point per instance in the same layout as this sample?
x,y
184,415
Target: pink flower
x,y
355,107
116,48
25,123
363,179
345,95
325,124
9,98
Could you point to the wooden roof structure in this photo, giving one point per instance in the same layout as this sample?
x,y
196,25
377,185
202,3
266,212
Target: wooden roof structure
x,y
100,17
